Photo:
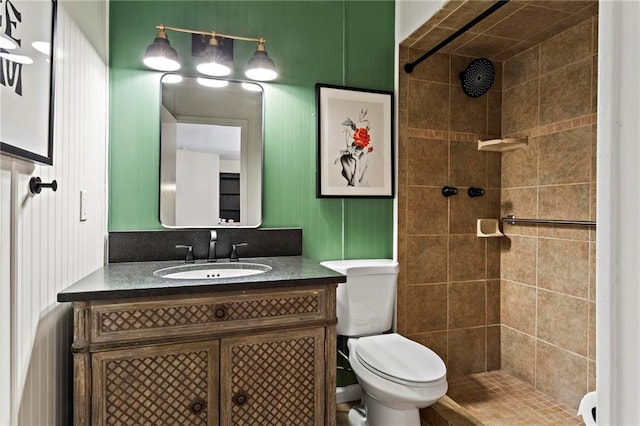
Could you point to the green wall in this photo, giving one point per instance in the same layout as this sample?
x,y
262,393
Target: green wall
x,y
345,43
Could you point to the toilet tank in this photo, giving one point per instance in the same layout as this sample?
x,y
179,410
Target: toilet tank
x,y
365,303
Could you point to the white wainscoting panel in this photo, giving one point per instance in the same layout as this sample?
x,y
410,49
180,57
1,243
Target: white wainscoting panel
x,y
52,247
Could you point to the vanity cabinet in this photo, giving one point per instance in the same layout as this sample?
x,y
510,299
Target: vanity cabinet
x,y
255,357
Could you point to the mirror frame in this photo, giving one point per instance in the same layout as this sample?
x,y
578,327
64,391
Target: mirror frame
x,y
234,225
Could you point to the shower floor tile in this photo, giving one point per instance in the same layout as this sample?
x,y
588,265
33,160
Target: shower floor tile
x,y
499,399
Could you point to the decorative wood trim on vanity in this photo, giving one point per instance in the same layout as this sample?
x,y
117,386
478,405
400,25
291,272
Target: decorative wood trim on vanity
x,y
159,318
81,363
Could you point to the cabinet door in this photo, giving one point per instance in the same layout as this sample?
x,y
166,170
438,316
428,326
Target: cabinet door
x,y
157,385
273,379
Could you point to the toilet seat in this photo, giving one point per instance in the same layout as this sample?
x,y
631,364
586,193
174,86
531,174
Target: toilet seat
x,y
400,360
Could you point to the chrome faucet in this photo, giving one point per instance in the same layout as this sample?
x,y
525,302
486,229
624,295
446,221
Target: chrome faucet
x,y
213,237
234,251
189,257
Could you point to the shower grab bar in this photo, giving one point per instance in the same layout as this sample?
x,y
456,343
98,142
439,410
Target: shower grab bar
x,y
513,220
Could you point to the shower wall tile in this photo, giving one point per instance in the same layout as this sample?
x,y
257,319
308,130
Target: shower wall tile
x,y
426,259
427,211
493,348
520,108
493,302
591,379
436,341
466,258
494,170
521,202
566,92
563,266
518,306
426,308
428,105
493,258
564,232
492,197
494,114
518,259
594,152
594,36
564,202
594,84
562,157
468,166
538,19
520,166
484,45
521,68
467,351
467,114
467,304
464,212
435,68
516,354
592,331
592,270
561,321
428,162
567,47
567,381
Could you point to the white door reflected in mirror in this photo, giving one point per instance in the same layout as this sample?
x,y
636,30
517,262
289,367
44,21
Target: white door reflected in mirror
x,y
211,155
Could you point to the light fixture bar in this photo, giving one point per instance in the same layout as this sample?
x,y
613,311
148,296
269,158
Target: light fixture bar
x,y
211,33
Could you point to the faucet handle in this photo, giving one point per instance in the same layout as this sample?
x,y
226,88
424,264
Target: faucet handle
x,y
234,251
189,257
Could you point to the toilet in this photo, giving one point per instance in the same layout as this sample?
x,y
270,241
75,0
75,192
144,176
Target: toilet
x,y
398,376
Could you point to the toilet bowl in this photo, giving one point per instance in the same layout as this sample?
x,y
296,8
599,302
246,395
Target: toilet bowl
x,y
397,376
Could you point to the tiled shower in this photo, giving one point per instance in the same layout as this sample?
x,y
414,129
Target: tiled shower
x,y
523,303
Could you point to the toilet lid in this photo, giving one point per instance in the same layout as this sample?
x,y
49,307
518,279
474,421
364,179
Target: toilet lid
x,y
399,359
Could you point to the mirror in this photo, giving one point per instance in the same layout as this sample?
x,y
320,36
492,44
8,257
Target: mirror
x,y
211,134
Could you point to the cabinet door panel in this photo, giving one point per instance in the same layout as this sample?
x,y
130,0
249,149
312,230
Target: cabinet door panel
x,y
273,379
161,385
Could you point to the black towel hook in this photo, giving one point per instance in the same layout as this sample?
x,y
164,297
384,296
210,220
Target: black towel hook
x,y
36,185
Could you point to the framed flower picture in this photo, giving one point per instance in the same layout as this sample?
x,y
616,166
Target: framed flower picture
x,y
355,142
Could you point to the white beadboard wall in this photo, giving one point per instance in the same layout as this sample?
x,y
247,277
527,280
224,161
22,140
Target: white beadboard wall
x,y
43,245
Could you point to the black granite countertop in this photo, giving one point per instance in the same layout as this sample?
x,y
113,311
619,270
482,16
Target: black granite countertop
x,y
136,279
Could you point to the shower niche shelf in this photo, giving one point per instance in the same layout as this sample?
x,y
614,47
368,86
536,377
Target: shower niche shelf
x,y
501,145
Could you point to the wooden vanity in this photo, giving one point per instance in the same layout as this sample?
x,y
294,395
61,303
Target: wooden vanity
x,y
256,350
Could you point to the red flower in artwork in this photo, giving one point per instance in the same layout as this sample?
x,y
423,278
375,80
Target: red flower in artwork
x,y
361,137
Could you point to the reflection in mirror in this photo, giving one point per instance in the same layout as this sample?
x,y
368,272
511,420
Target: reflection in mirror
x,y
210,153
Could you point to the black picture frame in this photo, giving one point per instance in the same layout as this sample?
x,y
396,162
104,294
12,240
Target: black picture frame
x,y
27,76
355,142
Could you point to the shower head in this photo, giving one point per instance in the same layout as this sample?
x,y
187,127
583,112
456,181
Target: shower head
x,y
478,77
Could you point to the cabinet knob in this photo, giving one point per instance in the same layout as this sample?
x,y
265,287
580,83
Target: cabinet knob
x,y
220,312
197,405
240,398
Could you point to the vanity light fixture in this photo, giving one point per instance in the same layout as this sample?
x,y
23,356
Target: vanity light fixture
x,y
159,55
214,60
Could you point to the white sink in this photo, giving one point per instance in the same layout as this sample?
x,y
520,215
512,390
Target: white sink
x,y
207,271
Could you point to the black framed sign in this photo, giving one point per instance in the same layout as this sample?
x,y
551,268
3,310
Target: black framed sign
x,y
27,32
355,142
